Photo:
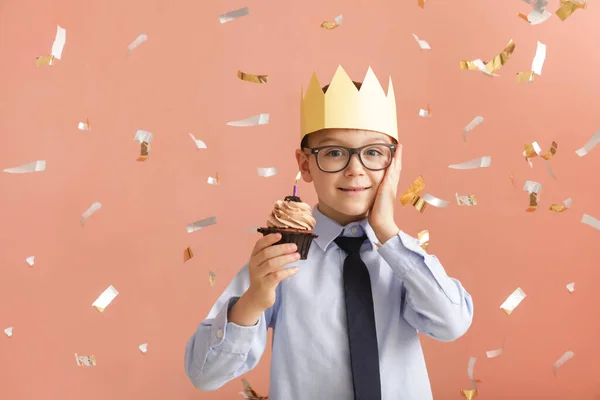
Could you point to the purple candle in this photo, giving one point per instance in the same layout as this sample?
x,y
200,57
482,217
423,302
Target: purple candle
x,y
296,185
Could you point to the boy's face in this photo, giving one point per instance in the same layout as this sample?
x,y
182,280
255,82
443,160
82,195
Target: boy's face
x,y
335,200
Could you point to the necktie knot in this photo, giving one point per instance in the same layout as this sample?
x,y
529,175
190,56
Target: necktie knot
x,y
350,245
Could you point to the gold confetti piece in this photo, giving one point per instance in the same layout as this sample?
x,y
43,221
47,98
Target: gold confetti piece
x,y
212,278
139,40
203,223
187,254
469,200
421,3
434,201
513,301
145,149
332,25
9,331
232,15
538,14
533,188
591,221
35,166
476,121
512,179
85,126
260,119
267,172
423,238
482,162
563,359
43,61
143,347
144,137
88,361
249,393
252,77
594,140
533,197
491,67
568,7
422,43
469,394
571,287
105,298
91,210
30,260
524,76
413,191
199,143
562,207
425,113
494,353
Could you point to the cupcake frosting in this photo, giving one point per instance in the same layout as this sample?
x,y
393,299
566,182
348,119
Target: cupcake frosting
x,y
291,214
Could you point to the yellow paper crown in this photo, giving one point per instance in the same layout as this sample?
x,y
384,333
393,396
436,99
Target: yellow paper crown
x,y
345,106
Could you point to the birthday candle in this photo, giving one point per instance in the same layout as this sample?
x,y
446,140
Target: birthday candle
x,y
296,185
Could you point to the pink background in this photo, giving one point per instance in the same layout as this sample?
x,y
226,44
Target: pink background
x,y
183,79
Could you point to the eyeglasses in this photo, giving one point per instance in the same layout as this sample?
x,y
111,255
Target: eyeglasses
x,y
374,157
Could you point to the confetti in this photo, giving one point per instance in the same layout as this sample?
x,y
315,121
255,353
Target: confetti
x,y
568,7
466,200
594,140
267,172
35,166
425,113
9,331
512,179
491,67
232,15
143,347
434,201
144,137
422,44
562,207
84,126
423,238
187,254
144,150
536,65
139,40
261,119
571,287
203,223
30,260
42,61
533,188
469,394
482,162
494,353
105,298
513,301
563,359
249,393
533,150
212,278
93,208
421,3
199,143
214,181
252,77
591,221
476,121
59,42
538,14
413,191
332,25
88,361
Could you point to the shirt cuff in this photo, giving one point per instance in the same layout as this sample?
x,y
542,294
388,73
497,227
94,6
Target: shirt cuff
x,y
229,337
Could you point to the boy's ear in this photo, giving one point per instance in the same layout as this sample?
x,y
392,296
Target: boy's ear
x,y
303,165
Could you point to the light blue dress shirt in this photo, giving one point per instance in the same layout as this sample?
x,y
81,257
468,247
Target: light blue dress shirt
x,y
310,356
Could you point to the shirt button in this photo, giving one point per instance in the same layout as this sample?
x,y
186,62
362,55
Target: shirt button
x,y
354,230
220,333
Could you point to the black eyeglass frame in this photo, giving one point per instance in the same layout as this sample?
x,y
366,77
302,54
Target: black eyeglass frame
x,y
352,151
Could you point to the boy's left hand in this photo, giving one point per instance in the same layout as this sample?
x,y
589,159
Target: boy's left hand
x,y
381,215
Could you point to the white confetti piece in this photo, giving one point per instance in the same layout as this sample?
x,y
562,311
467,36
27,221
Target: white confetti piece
x,y
212,278
466,200
538,60
267,172
571,287
35,166
539,13
87,361
143,136
594,140
471,368
260,119
59,42
203,223
591,221
83,126
434,201
424,113
563,359
9,331
30,260
143,347
513,301
232,15
482,162
199,143
105,298
139,40
212,181
476,121
422,44
93,208
339,19
494,353
532,187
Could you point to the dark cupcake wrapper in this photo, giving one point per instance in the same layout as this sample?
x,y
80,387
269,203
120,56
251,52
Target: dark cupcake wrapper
x,y
303,240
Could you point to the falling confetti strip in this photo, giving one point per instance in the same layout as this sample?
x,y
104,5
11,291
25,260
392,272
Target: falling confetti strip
x,y
538,14
87,361
252,77
30,260
203,223
571,287
267,172
469,394
425,113
494,353
36,166
233,15
513,301
591,221
9,331
594,140
199,143
213,181
434,201
482,162
533,188
471,125
332,25
212,278
422,43
188,254
59,42
91,210
413,191
562,207
84,126
563,359
421,3
536,65
143,347
43,61
568,7
260,119
469,200
144,137
138,41
491,67
105,298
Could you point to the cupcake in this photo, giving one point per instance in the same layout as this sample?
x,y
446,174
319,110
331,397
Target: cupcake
x,y
293,219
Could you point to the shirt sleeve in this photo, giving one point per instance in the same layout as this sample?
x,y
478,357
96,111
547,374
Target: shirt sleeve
x,y
220,350
436,304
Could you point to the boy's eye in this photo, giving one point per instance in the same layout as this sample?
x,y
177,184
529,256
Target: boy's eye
x,y
335,153
373,153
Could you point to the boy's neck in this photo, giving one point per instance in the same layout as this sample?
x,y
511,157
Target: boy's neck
x,y
338,217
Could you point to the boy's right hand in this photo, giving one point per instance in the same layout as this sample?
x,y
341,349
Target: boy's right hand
x,y
266,268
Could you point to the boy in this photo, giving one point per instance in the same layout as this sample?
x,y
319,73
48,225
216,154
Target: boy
x,y
346,326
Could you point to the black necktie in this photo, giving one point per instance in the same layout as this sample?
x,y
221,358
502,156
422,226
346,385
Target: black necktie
x,y
362,335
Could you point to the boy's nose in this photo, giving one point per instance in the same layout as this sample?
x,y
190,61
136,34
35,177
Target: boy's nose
x,y
355,167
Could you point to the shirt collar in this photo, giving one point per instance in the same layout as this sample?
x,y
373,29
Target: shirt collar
x,y
327,230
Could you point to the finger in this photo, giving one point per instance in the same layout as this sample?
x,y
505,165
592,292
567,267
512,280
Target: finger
x,y
282,274
274,251
265,242
276,263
